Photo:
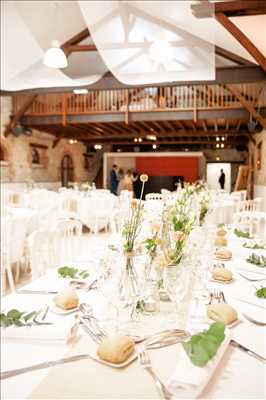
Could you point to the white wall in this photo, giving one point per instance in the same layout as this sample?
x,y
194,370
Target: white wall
x,y
214,172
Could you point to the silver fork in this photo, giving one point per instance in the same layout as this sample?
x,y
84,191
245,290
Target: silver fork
x,y
145,362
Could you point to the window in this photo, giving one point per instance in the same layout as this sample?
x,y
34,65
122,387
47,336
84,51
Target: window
x,y
259,151
35,156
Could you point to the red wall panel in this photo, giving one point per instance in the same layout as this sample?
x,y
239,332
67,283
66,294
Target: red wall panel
x,y
169,166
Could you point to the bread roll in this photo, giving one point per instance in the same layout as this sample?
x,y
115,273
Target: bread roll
x,y
222,274
222,312
67,299
220,241
116,349
221,232
223,254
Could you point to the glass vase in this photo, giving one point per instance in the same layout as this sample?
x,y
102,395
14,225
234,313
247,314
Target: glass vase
x,y
129,285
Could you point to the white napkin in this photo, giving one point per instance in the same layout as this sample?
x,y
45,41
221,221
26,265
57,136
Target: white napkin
x,y
51,333
190,380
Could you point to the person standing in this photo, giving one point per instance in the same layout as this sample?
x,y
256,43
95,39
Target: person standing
x,y
120,177
114,179
222,179
128,181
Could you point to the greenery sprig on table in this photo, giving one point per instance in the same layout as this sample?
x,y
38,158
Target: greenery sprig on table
x,y
74,273
17,318
202,347
254,246
260,261
261,293
242,234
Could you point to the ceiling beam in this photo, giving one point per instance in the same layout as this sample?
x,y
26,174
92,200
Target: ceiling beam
x,y
234,113
76,39
211,134
229,74
249,106
232,56
173,141
234,8
241,38
19,114
80,48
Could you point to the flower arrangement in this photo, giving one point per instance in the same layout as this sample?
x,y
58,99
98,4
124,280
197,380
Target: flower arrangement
x,y
132,227
181,223
203,209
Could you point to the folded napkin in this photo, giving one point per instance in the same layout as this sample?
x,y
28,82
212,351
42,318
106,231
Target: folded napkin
x,y
188,380
45,333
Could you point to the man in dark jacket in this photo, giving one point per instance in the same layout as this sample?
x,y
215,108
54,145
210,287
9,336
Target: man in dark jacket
x,y
222,179
113,179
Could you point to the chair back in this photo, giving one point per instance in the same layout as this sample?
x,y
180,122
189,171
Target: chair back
x,y
253,222
154,196
67,240
248,205
41,252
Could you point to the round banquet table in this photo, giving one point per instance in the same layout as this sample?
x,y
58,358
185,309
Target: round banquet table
x,y
238,375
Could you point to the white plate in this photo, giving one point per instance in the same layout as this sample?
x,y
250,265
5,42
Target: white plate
x,y
222,282
59,311
132,358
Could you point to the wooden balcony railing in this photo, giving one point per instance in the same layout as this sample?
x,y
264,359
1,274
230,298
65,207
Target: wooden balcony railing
x,y
177,98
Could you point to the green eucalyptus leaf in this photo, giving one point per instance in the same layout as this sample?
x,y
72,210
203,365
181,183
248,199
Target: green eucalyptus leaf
x,y
14,314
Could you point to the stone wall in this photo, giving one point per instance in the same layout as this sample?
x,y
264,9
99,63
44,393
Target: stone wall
x,y
17,153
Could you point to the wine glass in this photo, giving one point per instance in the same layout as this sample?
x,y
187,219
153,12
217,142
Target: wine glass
x,y
176,280
109,285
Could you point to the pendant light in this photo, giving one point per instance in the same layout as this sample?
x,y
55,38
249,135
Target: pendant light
x,y
54,57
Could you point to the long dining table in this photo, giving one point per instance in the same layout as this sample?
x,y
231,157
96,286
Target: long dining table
x,y
237,376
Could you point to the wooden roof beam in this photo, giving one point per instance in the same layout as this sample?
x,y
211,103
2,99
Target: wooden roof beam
x,y
76,39
248,106
231,8
232,56
19,114
241,38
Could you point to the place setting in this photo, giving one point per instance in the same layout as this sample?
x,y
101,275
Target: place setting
x,y
133,200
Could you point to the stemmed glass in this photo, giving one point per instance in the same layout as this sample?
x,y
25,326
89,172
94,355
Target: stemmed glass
x,y
176,283
109,285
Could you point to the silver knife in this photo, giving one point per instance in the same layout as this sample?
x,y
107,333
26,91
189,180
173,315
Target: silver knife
x,y
248,302
249,352
28,291
46,364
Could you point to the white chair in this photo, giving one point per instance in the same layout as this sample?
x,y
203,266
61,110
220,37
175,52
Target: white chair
x,y
41,252
253,222
154,196
102,208
240,194
249,205
6,247
69,207
67,240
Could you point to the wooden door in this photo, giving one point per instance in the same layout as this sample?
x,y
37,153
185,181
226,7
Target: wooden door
x,y
67,170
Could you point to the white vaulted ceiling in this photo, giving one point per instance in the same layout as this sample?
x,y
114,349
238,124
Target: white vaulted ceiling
x,y
28,27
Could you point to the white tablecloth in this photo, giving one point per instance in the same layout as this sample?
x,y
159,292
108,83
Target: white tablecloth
x,y
238,376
